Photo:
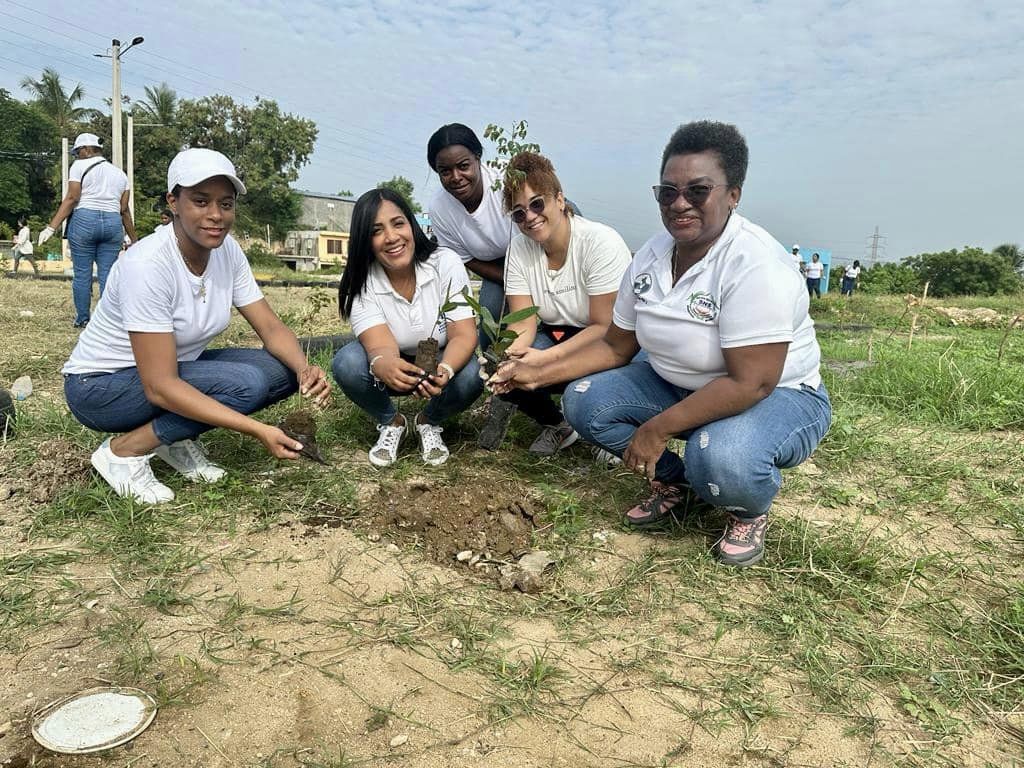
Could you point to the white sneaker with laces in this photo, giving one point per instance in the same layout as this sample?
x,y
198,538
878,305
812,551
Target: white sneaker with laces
x,y
130,476
385,452
432,447
189,458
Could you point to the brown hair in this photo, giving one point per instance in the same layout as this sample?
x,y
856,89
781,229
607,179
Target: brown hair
x,y
533,169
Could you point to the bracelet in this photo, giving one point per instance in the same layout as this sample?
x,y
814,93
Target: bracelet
x,y
373,360
451,371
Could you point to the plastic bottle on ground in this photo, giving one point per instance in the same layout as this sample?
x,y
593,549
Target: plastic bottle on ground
x,y
21,388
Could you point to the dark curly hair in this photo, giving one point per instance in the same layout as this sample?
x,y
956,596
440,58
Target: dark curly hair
x,y
451,135
709,136
533,169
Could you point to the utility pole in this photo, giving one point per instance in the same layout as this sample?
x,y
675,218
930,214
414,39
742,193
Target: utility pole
x,y
874,247
130,169
117,155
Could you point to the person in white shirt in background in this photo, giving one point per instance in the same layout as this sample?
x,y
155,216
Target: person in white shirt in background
x,y
394,290
23,247
813,271
798,260
568,267
733,360
142,368
101,224
851,276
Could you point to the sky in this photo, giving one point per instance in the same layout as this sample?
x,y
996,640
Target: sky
x,y
908,117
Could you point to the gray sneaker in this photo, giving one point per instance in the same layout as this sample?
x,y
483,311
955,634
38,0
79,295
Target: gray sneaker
x,y
189,458
553,439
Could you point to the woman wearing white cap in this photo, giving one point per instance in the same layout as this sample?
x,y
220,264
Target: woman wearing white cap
x,y
142,368
98,198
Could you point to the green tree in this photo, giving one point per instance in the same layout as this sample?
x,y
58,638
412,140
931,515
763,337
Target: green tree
x,y
1013,254
267,147
889,278
346,193
404,187
160,105
28,154
970,272
58,103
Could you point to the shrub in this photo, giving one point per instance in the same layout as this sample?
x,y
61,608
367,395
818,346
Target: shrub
x,y
261,256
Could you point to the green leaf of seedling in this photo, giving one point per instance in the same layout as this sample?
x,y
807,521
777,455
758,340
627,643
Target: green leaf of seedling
x,y
507,334
521,314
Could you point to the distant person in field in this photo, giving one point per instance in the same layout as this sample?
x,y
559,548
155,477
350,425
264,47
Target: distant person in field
x,y
851,278
798,260
142,368
813,271
568,267
166,217
101,223
733,361
393,291
23,247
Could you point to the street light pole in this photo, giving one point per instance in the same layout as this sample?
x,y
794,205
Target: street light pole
x,y
115,114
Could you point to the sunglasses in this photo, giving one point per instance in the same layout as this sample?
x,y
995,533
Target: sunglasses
x,y
694,194
536,205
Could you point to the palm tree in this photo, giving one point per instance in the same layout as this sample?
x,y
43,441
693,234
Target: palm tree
x,y
56,102
160,104
1013,254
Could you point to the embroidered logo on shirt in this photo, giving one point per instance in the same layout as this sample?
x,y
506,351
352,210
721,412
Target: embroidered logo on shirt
x,y
642,284
702,306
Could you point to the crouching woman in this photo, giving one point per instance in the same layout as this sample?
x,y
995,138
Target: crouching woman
x,y
142,368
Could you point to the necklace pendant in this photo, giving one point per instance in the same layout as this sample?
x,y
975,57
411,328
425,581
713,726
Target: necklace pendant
x,y
202,291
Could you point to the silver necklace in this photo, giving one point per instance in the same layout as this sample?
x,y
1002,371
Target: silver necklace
x,y
188,266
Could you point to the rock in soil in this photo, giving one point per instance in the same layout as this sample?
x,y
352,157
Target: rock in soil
x,y
527,575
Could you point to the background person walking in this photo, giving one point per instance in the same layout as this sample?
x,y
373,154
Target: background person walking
x,y
98,199
23,247
813,271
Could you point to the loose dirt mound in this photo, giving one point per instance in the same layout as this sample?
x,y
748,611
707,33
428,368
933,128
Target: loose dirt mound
x,y
491,523
980,317
59,465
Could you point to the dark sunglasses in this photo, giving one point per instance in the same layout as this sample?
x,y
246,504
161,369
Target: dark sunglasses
x,y
536,205
694,194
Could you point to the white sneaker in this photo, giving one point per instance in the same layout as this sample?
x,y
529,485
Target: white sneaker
x,y
130,476
189,458
385,452
432,447
601,456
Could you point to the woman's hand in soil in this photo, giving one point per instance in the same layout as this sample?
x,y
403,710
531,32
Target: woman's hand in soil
x,y
397,374
278,444
644,450
313,382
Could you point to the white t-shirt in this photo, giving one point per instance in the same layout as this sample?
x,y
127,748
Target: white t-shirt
x,y
150,289
814,270
412,321
102,188
594,264
852,272
23,242
483,234
736,296
798,261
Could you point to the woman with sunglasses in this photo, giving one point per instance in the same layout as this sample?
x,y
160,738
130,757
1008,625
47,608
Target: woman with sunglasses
x,y
733,360
141,367
570,269
394,290
467,214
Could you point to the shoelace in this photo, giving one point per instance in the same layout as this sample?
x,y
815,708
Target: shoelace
x,y
662,493
196,453
741,531
432,438
389,437
142,474
552,437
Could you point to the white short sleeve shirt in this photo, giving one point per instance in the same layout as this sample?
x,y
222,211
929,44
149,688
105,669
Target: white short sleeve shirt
x,y
483,234
594,264
102,188
814,270
440,276
150,289
735,296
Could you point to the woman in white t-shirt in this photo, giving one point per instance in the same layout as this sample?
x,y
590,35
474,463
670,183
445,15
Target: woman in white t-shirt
x,y
101,224
141,368
23,246
851,275
398,289
570,269
813,272
467,214
732,364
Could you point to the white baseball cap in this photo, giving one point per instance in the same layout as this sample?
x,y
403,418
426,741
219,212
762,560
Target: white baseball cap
x,y
796,247
86,140
193,166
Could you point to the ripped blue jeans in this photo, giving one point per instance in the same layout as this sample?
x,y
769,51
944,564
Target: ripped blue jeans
x,y
732,463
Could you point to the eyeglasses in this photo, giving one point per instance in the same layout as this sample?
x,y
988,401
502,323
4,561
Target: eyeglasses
x,y
536,205
694,194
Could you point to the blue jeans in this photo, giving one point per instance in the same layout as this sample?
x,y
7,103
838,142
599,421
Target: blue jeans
x,y
351,370
245,380
814,286
94,237
732,463
492,296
